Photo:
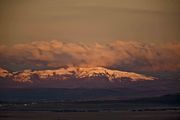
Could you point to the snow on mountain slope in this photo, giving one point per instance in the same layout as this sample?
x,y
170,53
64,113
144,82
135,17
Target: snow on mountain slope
x,y
111,74
74,72
24,76
4,73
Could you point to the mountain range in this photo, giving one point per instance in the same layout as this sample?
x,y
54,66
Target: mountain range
x,y
86,77
89,83
73,73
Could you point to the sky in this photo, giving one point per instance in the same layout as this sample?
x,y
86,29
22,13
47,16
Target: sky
x,y
131,34
89,20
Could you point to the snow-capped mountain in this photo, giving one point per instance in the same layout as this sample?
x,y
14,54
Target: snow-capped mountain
x,y
4,73
79,73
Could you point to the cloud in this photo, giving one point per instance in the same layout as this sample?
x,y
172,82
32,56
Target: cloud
x,y
130,54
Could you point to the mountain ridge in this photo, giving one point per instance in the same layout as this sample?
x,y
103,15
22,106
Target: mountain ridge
x,y
74,73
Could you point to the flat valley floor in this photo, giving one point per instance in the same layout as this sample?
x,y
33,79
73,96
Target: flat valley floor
x,y
121,115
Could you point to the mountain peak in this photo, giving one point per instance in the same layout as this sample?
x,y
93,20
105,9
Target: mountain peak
x,y
75,73
111,74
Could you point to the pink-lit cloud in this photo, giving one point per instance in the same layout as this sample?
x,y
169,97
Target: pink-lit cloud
x,y
134,55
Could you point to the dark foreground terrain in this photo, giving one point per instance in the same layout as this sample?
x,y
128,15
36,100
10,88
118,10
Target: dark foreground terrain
x,y
122,115
140,109
30,105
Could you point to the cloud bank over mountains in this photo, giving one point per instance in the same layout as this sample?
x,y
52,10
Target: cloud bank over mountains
x,y
54,53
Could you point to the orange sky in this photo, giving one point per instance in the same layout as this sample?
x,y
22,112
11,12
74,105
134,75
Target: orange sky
x,y
89,20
